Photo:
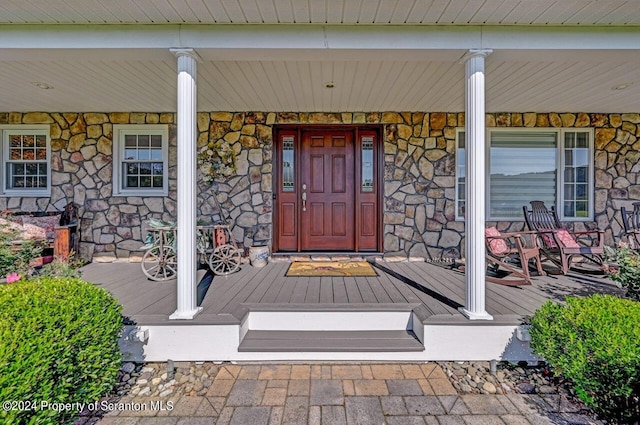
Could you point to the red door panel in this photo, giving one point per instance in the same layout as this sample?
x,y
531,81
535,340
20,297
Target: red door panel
x,y
288,222
327,218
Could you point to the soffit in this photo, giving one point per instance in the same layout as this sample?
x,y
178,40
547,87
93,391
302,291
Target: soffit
x,y
537,81
428,12
286,68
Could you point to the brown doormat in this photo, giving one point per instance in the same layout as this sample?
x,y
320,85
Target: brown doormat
x,y
331,268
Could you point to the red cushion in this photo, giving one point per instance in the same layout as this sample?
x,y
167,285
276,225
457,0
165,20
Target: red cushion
x,y
566,239
548,238
497,246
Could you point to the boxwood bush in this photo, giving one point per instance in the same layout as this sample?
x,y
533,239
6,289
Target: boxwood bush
x,y
58,344
594,342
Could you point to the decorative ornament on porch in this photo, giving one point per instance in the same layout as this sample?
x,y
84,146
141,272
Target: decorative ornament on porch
x,y
216,159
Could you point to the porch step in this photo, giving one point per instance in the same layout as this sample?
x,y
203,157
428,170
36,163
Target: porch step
x,y
328,341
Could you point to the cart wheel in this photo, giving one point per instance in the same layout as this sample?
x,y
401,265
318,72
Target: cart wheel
x,y
160,264
224,260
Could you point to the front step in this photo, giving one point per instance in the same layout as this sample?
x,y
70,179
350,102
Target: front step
x,y
330,341
331,328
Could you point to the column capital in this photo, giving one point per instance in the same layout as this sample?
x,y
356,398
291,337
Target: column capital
x,y
184,51
473,53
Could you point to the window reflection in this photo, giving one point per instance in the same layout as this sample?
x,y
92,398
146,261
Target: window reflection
x,y
367,164
27,161
142,162
576,175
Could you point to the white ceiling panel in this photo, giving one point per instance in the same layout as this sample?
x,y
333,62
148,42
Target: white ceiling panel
x,y
359,85
411,65
457,12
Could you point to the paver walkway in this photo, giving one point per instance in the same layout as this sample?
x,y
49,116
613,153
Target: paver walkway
x,y
334,394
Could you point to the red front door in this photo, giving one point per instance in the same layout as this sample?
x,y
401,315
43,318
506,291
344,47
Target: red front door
x,y
327,214
327,189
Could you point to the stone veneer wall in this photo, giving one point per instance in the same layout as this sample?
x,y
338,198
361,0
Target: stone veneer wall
x,y
419,192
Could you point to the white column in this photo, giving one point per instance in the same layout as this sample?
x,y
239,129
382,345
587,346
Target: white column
x,y
475,269
186,180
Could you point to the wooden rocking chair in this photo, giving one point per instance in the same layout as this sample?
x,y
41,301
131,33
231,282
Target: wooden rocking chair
x,y
558,244
631,222
511,252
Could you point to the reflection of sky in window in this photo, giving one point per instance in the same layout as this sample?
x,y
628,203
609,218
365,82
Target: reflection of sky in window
x,y
512,162
462,160
577,157
367,164
520,171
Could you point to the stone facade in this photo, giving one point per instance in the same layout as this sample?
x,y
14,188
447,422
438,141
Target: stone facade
x,y
419,174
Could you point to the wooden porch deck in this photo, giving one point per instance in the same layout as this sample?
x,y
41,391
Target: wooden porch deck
x,y
436,291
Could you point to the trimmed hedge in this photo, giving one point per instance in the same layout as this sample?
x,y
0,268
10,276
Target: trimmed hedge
x,y
58,344
595,342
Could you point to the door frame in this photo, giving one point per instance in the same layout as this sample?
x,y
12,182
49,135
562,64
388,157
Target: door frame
x,y
298,130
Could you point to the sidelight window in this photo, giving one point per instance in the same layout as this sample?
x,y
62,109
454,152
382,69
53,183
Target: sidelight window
x,y
287,164
367,164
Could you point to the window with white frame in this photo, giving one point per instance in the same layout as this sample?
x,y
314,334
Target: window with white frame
x,y
26,154
140,154
554,165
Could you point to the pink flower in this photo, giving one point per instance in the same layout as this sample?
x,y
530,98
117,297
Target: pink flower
x,y
13,277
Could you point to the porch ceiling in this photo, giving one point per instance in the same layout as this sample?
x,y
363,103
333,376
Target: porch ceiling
x,y
121,80
380,55
455,12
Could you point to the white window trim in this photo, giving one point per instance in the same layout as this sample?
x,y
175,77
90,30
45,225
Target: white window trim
x,y
591,174
119,131
559,169
5,130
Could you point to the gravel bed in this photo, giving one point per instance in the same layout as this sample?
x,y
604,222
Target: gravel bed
x,y
505,378
477,378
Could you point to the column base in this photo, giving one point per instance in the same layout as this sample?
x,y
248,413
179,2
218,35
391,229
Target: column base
x,y
475,316
185,315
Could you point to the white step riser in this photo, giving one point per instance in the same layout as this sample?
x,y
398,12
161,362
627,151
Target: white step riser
x,y
330,321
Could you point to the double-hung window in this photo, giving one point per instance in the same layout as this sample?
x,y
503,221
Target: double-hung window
x,y
554,165
140,153
26,154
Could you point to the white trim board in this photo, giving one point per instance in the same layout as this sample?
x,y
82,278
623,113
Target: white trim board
x,y
317,37
442,343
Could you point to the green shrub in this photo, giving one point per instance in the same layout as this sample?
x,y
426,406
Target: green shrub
x,y
62,267
595,342
625,269
58,344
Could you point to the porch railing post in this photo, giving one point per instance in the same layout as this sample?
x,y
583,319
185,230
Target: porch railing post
x,y
186,182
475,270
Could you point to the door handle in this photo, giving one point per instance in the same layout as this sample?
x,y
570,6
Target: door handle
x,y
304,197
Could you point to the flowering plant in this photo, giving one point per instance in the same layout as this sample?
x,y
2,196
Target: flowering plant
x,y
623,267
13,277
216,159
